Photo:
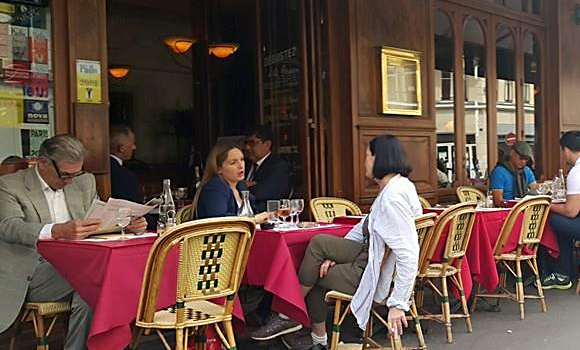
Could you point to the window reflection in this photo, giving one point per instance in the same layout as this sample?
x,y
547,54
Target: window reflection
x,y
532,92
506,87
444,112
475,102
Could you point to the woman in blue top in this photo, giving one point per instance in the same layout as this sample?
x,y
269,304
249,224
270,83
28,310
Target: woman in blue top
x,y
219,190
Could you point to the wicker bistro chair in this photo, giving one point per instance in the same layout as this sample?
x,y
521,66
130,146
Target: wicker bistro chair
x,y
424,224
424,202
469,194
459,220
39,313
325,209
184,214
212,255
535,211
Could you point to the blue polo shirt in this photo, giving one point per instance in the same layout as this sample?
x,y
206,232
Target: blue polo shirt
x,y
502,179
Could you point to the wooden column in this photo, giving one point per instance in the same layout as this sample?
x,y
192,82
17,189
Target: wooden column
x,y
80,33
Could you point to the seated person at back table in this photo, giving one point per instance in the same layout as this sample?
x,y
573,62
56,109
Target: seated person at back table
x,y
268,178
511,177
223,179
46,201
123,181
564,218
353,264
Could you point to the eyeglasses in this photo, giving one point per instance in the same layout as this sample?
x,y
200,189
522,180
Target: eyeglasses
x,y
64,176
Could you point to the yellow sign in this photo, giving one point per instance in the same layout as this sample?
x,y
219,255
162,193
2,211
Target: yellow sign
x,y
88,81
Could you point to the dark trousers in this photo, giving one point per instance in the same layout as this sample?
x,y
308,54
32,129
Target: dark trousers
x,y
351,259
567,231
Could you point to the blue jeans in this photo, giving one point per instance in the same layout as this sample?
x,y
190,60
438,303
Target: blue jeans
x,y
567,231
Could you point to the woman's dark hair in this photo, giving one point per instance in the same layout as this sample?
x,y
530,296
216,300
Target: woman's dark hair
x,y
389,155
571,140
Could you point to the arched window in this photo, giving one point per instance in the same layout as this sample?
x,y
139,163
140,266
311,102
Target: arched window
x,y
444,98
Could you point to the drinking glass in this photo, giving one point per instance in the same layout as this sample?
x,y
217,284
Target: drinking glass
x,y
284,209
181,193
272,209
123,220
297,208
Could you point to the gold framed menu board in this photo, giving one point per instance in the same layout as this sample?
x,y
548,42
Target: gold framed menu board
x,y
401,81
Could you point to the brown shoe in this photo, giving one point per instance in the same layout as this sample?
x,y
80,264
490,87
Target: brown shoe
x,y
275,327
301,341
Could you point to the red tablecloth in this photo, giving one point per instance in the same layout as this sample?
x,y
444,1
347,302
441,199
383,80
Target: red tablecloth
x,y
274,261
108,275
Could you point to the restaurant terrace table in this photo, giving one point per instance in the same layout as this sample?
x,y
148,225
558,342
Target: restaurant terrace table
x,y
479,264
108,276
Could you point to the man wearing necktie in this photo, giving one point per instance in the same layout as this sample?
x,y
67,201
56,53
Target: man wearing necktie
x,y
268,178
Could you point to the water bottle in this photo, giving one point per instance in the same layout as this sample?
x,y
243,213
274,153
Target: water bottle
x,y
561,189
246,209
555,186
489,199
166,208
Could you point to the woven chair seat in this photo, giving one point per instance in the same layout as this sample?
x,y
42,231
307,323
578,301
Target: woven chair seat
x,y
49,308
513,256
197,313
334,295
434,270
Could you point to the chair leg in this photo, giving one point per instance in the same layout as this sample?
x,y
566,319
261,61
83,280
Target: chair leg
x,y
418,328
230,334
136,338
179,339
536,271
446,310
464,303
336,326
39,328
520,288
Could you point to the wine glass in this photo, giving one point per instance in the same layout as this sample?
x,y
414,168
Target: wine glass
x,y
123,220
284,209
181,193
297,208
272,209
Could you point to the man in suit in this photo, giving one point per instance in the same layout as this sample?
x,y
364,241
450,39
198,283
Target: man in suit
x,y
47,201
268,178
123,181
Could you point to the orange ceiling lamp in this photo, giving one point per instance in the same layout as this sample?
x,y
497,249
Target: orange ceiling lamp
x,y
118,72
223,50
179,45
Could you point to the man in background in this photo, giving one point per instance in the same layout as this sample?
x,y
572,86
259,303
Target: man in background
x,y
124,184
47,201
511,177
268,178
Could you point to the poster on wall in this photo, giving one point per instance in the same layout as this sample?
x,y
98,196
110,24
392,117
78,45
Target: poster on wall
x,y
88,81
31,140
11,109
38,43
36,112
20,43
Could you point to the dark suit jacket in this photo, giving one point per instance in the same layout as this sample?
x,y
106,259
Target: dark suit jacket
x,y
272,181
217,199
124,184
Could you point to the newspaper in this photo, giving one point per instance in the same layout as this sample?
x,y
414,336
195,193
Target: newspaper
x,y
107,212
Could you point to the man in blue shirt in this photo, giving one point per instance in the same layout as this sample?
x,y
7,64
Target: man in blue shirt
x,y
511,177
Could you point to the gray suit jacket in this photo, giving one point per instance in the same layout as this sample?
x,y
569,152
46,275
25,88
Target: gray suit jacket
x,y
23,213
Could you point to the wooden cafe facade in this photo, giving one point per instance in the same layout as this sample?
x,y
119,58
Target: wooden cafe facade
x,y
456,80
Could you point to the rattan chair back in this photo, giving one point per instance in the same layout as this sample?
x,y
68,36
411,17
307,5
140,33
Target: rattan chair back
x,y
469,194
212,254
535,211
424,224
184,214
424,202
458,219
325,209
